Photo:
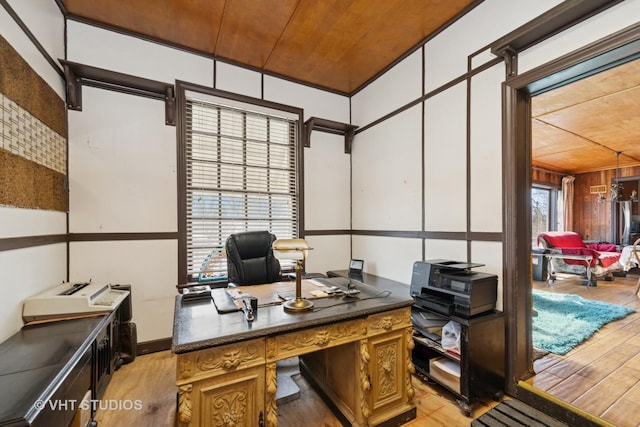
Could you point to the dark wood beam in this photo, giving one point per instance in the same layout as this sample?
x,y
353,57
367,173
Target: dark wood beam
x,y
330,126
77,75
550,23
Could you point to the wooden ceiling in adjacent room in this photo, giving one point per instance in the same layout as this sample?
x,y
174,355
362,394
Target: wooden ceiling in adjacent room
x,y
339,45
579,127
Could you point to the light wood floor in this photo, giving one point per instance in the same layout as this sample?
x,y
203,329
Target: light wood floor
x,y
602,375
150,379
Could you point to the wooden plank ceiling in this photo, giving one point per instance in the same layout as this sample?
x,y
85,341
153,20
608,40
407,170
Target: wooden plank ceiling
x,y
338,45
579,127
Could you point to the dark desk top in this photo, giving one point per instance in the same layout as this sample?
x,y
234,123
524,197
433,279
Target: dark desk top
x,y
197,325
35,360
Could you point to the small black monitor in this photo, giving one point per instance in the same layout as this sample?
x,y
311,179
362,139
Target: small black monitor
x,y
355,267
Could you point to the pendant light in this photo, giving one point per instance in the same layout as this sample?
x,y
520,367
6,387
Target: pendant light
x,y
616,186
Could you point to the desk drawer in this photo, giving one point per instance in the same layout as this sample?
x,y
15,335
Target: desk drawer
x,y
313,339
220,360
391,320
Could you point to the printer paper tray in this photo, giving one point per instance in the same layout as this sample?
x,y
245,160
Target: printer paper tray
x,y
439,306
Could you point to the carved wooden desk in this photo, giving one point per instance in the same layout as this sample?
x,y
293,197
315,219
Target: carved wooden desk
x,y
358,352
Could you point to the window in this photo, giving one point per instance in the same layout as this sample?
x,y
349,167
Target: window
x,y
241,175
545,210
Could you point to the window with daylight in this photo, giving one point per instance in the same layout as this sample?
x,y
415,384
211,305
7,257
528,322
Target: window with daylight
x,y
546,210
241,175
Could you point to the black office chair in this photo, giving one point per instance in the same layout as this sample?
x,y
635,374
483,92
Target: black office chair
x,y
250,259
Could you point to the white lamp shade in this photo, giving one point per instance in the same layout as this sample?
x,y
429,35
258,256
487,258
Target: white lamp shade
x,y
293,249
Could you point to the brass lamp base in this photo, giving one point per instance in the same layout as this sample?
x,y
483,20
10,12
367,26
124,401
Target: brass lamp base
x,y
297,305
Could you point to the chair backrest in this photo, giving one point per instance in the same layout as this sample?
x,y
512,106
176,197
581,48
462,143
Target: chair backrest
x,y
250,259
560,239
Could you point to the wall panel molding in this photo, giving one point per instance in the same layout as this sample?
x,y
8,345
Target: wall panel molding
x,y
13,243
106,237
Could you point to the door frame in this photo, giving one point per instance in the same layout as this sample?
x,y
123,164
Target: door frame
x,y
517,91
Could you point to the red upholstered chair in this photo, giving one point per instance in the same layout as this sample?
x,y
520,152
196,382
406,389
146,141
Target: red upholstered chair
x,y
568,254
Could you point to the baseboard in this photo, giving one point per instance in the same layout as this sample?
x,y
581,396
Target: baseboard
x,y
556,408
154,346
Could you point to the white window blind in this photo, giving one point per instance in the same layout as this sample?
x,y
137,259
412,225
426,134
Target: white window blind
x,y
241,176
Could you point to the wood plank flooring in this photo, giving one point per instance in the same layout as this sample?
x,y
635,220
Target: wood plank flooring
x,y
602,375
150,379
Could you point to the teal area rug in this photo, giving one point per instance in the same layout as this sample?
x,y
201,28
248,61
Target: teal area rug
x,y
564,320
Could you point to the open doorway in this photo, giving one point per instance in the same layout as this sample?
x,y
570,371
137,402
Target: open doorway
x,y
615,50
586,134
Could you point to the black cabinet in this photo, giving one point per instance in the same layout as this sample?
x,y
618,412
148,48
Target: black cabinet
x,y
478,370
46,370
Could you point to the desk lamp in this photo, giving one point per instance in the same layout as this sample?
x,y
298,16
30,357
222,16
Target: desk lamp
x,y
294,249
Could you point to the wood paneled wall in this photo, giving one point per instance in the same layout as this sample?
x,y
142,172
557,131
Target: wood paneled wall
x,y
592,219
541,176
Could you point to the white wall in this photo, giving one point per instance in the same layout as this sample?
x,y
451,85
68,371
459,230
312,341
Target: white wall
x,y
376,252
122,179
122,165
327,173
385,94
386,169
486,150
386,175
445,158
150,268
329,253
130,55
327,202
238,80
316,103
24,272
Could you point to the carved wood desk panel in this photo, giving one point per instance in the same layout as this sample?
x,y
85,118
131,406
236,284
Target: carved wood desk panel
x,y
357,352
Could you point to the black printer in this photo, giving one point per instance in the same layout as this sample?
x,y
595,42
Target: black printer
x,y
452,288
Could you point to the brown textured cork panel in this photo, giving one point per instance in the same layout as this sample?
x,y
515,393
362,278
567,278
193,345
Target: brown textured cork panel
x,y
26,184
26,88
